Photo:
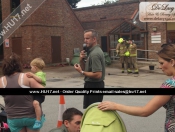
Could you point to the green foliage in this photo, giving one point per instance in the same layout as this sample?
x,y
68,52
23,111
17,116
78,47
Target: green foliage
x,y
107,2
73,3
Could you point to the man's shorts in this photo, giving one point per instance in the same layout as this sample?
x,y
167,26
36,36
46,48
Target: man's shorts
x,y
17,124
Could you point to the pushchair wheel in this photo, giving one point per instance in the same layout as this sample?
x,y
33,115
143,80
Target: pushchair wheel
x,y
4,127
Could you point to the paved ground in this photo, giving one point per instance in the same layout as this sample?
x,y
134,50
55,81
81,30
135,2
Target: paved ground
x,y
67,77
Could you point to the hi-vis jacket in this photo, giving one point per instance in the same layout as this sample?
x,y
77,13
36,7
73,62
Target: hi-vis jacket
x,y
121,49
133,49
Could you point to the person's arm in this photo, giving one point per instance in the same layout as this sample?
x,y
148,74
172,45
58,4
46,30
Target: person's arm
x,y
96,68
134,46
153,105
117,48
38,79
31,82
82,64
82,56
95,75
31,75
34,84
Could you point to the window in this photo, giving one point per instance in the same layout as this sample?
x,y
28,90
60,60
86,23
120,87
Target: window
x,y
14,5
113,41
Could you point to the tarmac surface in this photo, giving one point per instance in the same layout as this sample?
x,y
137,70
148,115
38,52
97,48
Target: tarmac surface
x,y
68,77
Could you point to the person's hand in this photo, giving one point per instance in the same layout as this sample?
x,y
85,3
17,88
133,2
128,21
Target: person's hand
x,y
107,105
82,54
117,51
78,67
29,74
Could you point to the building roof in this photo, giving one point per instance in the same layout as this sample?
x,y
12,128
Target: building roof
x,y
125,11
119,10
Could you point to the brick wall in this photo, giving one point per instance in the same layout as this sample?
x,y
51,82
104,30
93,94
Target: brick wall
x,y
52,18
105,18
113,15
5,12
56,18
161,27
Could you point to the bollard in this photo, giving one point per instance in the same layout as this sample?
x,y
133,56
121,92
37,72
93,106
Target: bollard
x,y
68,60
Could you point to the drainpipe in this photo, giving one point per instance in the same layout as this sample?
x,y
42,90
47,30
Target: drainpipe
x,y
146,27
108,43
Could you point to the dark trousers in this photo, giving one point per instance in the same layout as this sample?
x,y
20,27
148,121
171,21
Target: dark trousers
x,y
90,99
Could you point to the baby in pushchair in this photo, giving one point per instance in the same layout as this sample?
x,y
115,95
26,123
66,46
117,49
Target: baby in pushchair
x,y
3,120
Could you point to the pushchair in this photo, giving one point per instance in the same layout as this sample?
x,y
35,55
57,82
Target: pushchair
x,y
95,120
3,120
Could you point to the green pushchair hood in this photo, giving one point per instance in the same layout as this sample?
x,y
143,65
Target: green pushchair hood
x,y
95,120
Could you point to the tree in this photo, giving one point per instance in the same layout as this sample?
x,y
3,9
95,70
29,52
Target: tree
x,y
73,3
107,2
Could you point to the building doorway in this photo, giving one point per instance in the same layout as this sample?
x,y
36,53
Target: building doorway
x,y
56,49
170,37
170,32
17,46
104,43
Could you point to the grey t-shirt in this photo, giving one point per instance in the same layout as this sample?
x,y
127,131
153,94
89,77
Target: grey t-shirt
x,y
19,106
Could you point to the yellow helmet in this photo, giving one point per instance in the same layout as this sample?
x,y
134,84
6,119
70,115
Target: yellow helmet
x,y
120,40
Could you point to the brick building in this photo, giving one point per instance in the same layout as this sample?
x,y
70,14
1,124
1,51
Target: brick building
x,y
114,21
55,29
122,20
51,32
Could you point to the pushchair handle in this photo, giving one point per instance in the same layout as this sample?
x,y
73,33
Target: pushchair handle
x,y
3,113
2,107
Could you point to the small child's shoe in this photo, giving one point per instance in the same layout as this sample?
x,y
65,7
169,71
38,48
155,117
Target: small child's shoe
x,y
37,124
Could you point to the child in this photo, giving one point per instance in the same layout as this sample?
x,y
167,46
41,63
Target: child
x,y
37,66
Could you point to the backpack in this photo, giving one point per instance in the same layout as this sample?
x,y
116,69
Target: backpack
x,y
95,120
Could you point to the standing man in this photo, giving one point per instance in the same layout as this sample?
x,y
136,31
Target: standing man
x,y
93,69
71,121
133,56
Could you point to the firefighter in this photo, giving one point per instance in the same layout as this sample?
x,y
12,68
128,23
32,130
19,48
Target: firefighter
x,y
127,58
121,50
133,56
